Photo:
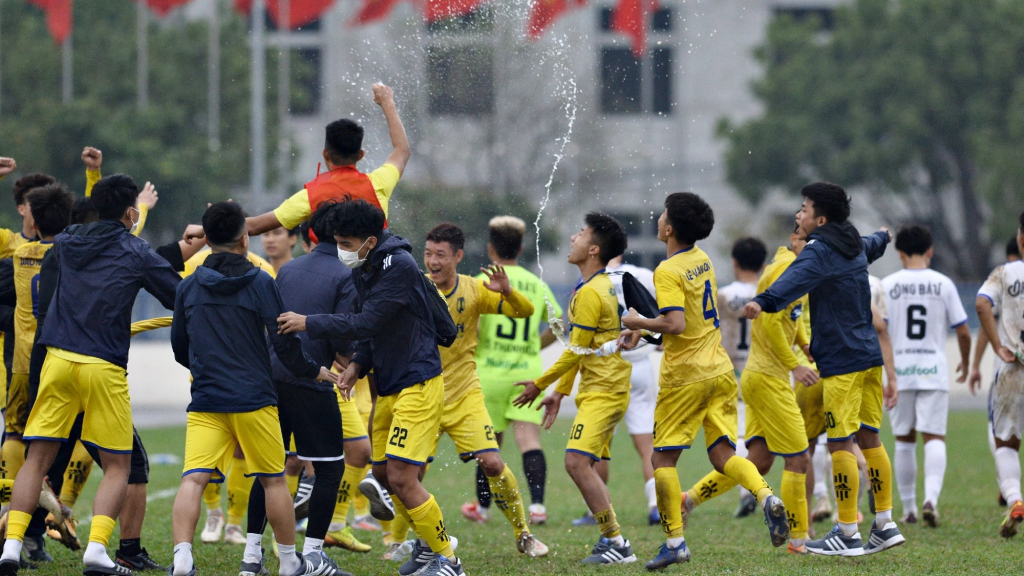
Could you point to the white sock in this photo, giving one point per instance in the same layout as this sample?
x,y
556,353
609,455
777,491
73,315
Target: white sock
x,y
674,542
848,529
992,448
253,548
820,473
312,545
1008,471
214,512
883,518
905,464
934,470
797,542
182,559
741,451
289,561
652,494
96,555
335,526
12,550
618,540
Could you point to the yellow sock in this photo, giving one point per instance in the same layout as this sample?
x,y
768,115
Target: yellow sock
x,y
880,473
846,480
505,490
293,484
349,481
238,491
400,525
608,523
17,523
211,496
745,474
76,475
794,496
385,530
714,484
359,502
12,458
101,530
429,525
670,501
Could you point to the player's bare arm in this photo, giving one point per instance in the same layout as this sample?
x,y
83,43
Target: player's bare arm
x,y
7,165
149,195
384,97
988,324
891,394
752,310
92,157
673,322
974,382
963,338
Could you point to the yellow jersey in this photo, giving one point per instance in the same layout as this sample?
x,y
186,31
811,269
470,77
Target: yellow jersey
x,y
27,260
196,261
772,336
466,303
594,317
686,281
297,209
11,241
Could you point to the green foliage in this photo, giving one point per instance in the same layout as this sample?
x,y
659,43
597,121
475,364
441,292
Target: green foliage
x,y
919,97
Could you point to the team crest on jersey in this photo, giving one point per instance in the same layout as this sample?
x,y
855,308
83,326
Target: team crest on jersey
x,y
797,312
460,304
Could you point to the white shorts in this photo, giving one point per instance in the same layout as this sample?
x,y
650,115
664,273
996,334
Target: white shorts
x,y
925,411
643,395
1006,402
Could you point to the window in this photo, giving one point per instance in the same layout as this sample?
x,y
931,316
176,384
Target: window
x,y
633,224
631,85
620,81
461,80
661,20
661,62
479,20
825,16
306,72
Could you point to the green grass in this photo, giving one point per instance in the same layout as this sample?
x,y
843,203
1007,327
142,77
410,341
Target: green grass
x,y
967,540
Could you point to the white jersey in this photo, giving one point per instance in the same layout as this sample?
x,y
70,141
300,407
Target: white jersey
x,y
646,277
878,299
922,305
735,328
1005,289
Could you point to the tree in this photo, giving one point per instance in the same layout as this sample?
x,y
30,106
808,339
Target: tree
x,y
918,102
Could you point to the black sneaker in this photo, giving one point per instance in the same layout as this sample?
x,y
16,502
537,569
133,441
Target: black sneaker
x,y
748,505
140,561
9,567
35,548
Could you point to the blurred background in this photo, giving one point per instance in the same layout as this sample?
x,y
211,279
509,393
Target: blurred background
x,y
915,106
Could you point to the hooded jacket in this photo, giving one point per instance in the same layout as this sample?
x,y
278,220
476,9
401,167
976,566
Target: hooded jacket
x,y
317,283
223,315
392,318
833,270
101,268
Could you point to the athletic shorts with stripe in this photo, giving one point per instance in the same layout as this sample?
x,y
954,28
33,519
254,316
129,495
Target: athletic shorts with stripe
x,y
466,421
683,409
405,424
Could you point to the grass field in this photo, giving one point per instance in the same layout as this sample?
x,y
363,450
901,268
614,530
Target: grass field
x,y
967,540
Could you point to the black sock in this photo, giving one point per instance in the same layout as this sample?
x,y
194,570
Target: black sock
x,y
483,488
536,469
257,513
131,546
323,497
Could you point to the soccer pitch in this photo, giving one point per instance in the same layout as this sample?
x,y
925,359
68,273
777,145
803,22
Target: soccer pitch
x,y
966,541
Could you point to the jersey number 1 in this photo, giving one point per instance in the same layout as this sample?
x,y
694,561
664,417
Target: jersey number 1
x,y
710,312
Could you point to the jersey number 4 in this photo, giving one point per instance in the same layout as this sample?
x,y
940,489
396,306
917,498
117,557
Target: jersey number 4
x,y
710,312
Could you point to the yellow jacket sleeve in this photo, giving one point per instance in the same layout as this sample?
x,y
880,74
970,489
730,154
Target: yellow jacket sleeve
x,y
151,324
91,178
776,335
566,362
568,380
801,333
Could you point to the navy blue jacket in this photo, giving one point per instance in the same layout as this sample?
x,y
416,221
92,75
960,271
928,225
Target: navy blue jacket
x,y
317,283
392,317
223,314
101,268
833,270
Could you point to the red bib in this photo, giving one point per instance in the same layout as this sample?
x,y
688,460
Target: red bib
x,y
338,183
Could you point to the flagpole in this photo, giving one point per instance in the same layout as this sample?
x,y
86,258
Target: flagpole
x,y
67,69
283,92
142,47
258,144
213,80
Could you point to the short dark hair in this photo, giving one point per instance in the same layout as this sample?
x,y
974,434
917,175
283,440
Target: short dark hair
x,y
304,233
51,208
224,223
84,211
607,234
321,222
749,253
343,141
23,185
113,195
692,219
450,233
914,240
1012,249
506,236
830,201
356,219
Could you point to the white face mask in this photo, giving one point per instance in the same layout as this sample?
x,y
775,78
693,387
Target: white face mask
x,y
135,223
352,259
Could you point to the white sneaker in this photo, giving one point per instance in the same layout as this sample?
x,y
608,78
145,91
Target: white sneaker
x,y
529,545
233,534
538,514
214,529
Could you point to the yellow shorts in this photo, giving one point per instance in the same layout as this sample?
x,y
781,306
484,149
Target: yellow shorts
x,y
772,414
405,425
598,413
17,404
467,423
73,383
210,438
352,425
681,410
362,398
811,400
853,401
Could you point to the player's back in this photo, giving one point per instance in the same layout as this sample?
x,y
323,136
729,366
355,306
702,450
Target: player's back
x,y
735,327
1005,289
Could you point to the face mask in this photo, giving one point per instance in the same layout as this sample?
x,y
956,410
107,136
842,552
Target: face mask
x,y
352,259
135,223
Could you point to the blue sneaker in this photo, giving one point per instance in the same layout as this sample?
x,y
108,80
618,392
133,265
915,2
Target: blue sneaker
x,y
777,521
669,556
888,537
421,556
585,520
835,543
653,517
441,566
605,552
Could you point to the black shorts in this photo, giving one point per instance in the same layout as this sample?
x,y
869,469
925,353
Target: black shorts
x,y
139,473
313,417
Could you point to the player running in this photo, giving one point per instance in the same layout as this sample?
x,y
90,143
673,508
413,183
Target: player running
x,y
604,379
921,304
697,383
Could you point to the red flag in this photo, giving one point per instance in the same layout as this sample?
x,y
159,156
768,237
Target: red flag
x,y
435,10
630,18
163,7
299,11
58,17
373,10
543,14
